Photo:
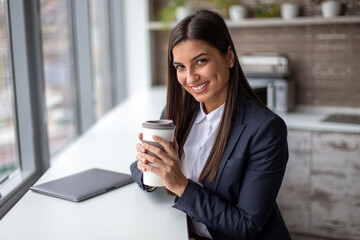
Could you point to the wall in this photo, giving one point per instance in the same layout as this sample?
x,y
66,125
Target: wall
x,y
136,45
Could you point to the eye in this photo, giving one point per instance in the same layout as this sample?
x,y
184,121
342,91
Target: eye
x,y
201,61
179,67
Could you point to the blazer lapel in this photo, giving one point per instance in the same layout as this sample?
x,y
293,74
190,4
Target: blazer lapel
x,y
234,137
237,129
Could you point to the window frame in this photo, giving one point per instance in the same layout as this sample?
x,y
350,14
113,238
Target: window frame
x,y
19,181
29,89
116,21
83,64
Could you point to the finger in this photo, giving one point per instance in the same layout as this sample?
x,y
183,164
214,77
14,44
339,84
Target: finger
x,y
152,159
140,148
155,150
140,158
154,169
137,146
166,145
140,136
141,166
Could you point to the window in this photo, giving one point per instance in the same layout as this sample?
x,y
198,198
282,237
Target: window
x,y
17,146
101,56
9,160
58,60
47,88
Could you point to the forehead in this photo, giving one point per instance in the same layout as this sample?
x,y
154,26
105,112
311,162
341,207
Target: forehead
x,y
190,48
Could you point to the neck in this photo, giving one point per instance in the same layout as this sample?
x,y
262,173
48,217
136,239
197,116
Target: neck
x,y
208,108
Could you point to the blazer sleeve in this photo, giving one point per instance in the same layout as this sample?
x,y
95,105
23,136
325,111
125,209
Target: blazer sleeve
x,y
137,175
266,162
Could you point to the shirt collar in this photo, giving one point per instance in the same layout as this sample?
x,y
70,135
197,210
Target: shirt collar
x,y
212,117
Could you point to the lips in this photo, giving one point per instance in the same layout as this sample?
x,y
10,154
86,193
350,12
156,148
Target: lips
x,y
200,88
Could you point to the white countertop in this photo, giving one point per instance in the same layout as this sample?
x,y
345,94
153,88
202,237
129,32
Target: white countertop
x,y
124,213
311,118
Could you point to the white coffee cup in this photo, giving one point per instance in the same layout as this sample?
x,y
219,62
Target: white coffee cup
x,y
161,128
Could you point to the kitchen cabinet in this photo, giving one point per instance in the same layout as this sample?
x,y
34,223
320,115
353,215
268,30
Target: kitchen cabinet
x,y
335,185
294,195
320,194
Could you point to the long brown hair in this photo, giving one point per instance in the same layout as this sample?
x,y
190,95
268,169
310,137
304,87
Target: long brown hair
x,y
181,106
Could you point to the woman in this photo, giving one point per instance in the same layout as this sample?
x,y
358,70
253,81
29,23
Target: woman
x,y
230,151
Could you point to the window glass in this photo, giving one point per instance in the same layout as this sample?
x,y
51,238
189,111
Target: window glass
x,y
58,60
100,42
9,160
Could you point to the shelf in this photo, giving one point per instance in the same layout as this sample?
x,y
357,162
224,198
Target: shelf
x,y
272,22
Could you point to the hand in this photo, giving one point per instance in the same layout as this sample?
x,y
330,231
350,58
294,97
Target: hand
x,y
167,162
141,164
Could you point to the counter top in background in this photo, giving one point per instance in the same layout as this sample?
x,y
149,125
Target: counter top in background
x,y
124,213
311,118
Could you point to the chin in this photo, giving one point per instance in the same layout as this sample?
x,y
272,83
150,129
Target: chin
x,y
200,99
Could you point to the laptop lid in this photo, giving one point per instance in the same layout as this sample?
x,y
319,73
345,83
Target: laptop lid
x,y
83,185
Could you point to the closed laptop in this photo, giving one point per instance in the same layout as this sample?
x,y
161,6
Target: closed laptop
x,y
83,185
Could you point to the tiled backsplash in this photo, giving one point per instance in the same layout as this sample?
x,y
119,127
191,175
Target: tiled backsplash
x,y
325,59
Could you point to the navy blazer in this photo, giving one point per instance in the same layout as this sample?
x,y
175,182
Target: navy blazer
x,y
241,201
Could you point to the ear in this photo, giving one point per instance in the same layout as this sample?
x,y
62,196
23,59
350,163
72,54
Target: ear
x,y
230,56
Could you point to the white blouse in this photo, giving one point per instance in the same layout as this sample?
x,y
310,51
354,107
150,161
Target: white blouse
x,y
197,149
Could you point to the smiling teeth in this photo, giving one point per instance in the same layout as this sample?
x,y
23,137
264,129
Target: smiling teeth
x,y
199,87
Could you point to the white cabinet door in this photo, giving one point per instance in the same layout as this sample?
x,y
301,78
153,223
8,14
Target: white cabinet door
x,y
294,199
335,185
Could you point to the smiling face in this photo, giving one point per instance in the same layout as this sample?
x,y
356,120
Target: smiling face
x,y
203,71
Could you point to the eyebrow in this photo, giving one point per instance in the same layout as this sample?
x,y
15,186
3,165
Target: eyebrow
x,y
194,58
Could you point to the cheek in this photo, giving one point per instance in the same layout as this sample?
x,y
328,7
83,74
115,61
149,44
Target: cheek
x,y
206,71
223,74
213,70
180,78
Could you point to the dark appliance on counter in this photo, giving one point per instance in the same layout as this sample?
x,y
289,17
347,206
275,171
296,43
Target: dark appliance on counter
x,y
268,75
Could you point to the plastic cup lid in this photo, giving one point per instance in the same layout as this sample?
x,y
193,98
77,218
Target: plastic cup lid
x,y
159,124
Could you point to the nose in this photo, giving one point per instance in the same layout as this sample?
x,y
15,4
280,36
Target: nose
x,y
191,76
